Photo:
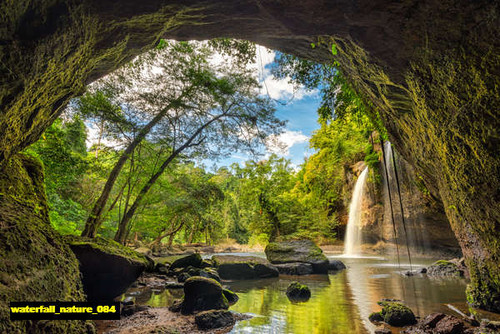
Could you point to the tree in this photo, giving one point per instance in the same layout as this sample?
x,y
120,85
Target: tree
x,y
176,98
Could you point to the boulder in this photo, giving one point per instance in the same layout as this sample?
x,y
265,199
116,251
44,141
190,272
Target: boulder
x,y
397,314
144,251
431,320
207,272
214,319
183,277
449,325
297,268
443,268
233,267
201,294
107,267
36,264
193,260
297,292
376,317
231,297
298,251
336,265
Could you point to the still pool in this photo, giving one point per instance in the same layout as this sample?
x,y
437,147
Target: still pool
x,y
340,302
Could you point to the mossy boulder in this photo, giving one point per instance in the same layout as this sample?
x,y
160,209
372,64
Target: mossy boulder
x,y
193,260
232,267
396,314
201,294
295,269
108,268
298,251
297,292
231,297
35,263
214,319
443,268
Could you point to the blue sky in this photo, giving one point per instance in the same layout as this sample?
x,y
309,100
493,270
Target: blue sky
x,y
298,107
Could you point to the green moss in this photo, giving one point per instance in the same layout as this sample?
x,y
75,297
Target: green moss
x,y
35,263
110,247
397,314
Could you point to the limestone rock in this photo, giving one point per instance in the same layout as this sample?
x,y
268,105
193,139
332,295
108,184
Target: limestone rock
x,y
214,319
201,294
243,267
298,251
297,292
193,260
297,268
107,267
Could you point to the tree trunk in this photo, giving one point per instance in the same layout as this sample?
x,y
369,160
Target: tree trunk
x,y
94,220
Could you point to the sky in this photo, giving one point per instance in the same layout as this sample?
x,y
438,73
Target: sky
x,y
296,106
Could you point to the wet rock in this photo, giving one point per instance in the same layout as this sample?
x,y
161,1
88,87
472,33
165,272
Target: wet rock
x,y
336,265
144,251
231,297
493,325
376,317
443,268
423,271
201,294
214,319
298,268
207,264
207,272
128,301
107,267
243,267
298,251
162,268
193,260
265,270
297,292
449,325
183,277
174,285
431,320
397,314
383,330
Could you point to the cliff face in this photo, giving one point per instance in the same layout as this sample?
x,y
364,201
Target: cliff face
x,y
431,68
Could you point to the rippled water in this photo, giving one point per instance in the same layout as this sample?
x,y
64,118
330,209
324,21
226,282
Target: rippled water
x,y
340,302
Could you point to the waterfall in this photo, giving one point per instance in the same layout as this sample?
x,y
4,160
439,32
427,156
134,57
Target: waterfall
x,y
353,240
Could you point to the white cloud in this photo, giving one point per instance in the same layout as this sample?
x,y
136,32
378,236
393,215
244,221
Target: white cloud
x,y
281,144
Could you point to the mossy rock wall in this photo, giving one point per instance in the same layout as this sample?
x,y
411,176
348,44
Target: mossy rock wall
x,y
35,264
430,68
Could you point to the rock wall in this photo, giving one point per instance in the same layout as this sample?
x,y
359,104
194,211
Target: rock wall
x,y
430,68
35,265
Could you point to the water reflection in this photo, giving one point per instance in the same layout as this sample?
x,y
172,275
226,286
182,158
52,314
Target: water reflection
x,y
340,303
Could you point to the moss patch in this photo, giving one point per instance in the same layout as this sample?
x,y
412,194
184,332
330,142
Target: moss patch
x,y
35,263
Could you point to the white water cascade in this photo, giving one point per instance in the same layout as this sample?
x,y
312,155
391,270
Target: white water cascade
x,y
352,242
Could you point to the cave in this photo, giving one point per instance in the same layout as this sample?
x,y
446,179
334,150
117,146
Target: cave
x,y
430,68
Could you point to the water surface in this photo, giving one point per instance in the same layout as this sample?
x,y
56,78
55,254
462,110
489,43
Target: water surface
x,y
340,302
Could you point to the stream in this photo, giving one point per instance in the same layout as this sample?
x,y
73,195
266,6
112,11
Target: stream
x,y
341,302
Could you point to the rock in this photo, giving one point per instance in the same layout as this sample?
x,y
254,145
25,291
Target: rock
x,y
35,261
431,320
108,268
443,268
176,305
193,260
207,272
214,319
183,277
449,325
298,268
397,314
382,330
336,265
144,251
201,294
207,264
174,285
243,267
423,271
265,270
493,325
231,297
128,301
161,268
298,251
297,292
376,317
